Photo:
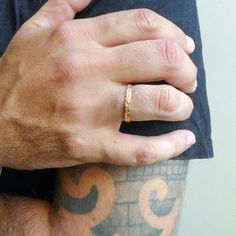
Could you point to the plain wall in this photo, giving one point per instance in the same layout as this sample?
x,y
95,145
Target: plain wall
x,y
209,207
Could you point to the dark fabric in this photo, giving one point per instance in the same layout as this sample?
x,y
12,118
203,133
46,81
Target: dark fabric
x,y
183,13
38,184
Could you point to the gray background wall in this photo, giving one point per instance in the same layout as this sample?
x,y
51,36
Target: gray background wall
x,y
209,207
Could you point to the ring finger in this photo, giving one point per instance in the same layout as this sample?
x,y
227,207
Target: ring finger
x,y
156,102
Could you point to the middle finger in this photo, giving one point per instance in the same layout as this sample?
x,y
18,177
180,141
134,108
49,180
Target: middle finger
x,y
152,60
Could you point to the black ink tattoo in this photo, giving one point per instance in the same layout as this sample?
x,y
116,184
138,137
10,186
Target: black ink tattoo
x,y
82,205
146,199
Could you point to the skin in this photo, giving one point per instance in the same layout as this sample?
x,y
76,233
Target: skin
x,y
98,200
102,200
52,120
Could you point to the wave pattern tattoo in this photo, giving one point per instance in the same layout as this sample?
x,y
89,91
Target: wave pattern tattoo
x,y
104,200
88,201
165,223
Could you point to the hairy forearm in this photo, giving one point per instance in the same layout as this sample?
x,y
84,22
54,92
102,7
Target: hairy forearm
x,y
24,216
105,200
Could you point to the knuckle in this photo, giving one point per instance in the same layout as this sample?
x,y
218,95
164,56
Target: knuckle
x,y
103,24
167,101
65,107
73,146
170,53
145,20
144,155
73,66
69,144
62,33
114,101
69,111
69,67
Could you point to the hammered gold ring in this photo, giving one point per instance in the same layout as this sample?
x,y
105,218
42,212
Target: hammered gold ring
x,y
128,99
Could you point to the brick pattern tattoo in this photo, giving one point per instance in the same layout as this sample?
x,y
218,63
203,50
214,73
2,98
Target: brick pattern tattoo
x,y
105,200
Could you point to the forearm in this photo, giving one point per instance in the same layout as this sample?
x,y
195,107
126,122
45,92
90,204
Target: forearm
x,y
107,200
24,216
102,200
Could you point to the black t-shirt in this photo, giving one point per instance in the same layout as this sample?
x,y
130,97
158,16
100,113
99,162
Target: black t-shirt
x,y
13,13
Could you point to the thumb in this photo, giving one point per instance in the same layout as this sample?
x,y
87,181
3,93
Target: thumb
x,y
55,12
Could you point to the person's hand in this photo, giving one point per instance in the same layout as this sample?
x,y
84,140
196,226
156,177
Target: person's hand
x,y
63,85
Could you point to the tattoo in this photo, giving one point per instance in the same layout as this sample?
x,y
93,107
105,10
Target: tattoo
x,y
105,200
79,206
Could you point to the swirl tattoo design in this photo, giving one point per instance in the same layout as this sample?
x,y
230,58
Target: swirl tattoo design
x,y
105,200
166,223
93,181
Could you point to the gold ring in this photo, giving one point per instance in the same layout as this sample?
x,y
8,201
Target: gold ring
x,y
128,98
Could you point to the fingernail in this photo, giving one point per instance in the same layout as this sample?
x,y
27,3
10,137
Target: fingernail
x,y
190,44
190,140
195,85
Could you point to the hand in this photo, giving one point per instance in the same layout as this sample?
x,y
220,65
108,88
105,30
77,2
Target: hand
x,y
63,85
